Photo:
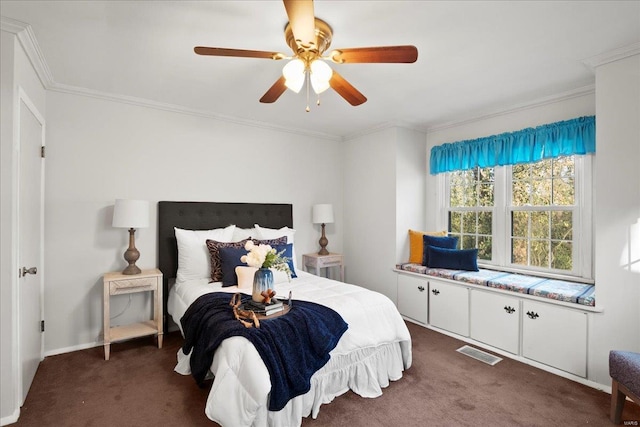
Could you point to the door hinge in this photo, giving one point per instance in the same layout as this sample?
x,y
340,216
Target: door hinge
x,y
42,151
42,326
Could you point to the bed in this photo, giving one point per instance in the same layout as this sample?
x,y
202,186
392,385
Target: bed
x,y
374,350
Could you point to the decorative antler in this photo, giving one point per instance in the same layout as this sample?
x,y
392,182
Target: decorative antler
x,y
243,315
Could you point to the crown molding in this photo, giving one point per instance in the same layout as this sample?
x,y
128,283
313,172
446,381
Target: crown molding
x,y
25,35
612,55
574,93
27,39
141,102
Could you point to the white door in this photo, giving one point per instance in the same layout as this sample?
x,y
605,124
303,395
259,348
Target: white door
x,y
30,240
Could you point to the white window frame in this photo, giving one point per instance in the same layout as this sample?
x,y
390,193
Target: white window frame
x,y
582,236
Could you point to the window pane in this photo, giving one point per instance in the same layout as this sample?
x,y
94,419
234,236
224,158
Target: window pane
x,y
541,192
563,191
484,247
520,172
484,222
520,193
541,169
456,190
470,196
469,222
455,222
540,225
561,255
562,225
564,167
485,195
539,253
519,251
519,224
486,175
468,242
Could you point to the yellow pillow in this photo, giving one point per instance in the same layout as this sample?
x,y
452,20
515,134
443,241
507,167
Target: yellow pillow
x,y
416,245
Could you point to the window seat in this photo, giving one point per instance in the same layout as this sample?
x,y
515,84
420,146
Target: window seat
x,y
560,290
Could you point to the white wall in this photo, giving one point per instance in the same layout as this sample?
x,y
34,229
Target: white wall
x,y
100,150
16,71
383,198
617,213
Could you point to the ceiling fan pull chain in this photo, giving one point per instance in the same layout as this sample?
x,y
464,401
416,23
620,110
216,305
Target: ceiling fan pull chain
x,y
307,81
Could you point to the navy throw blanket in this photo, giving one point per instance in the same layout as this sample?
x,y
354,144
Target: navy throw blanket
x,y
293,346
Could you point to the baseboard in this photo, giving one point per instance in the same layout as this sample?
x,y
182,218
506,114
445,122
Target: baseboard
x,y
72,348
13,418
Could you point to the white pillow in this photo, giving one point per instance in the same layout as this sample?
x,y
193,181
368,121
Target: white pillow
x,y
240,234
273,233
194,261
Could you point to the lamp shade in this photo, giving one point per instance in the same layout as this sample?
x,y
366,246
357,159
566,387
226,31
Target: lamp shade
x,y
131,214
320,75
322,214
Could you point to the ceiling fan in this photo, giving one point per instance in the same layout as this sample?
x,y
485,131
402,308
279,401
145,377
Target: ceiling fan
x,y
309,38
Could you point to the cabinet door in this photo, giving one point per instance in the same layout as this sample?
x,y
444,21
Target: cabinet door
x,y
412,297
495,320
449,307
555,336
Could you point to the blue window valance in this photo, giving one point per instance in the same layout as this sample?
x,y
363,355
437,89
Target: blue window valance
x,y
575,136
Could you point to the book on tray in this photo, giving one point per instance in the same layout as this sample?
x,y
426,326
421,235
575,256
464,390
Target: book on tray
x,y
262,308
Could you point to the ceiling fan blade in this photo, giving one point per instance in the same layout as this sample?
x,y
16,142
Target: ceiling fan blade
x,y
274,91
302,21
346,90
378,54
220,51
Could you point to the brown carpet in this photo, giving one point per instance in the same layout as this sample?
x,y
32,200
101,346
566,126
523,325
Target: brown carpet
x,y
138,387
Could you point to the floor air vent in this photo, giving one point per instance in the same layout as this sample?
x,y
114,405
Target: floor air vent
x,y
480,355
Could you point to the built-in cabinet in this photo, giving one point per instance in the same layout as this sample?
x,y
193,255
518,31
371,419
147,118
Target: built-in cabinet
x,y
449,307
413,297
540,331
555,336
495,320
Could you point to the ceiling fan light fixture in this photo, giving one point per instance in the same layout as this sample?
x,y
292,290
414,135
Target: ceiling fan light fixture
x,y
320,75
294,74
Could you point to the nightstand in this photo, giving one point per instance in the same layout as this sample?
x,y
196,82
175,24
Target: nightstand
x,y
118,284
323,261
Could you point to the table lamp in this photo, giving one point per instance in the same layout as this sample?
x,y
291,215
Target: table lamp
x,y
323,214
131,214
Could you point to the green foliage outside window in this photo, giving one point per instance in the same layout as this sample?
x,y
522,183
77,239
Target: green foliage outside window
x,y
541,212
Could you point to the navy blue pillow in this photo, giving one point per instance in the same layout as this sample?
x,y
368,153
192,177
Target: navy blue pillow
x,y
288,252
453,259
229,260
440,242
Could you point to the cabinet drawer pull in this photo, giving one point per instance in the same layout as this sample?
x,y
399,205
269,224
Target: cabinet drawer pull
x,y
509,309
532,315
421,288
435,291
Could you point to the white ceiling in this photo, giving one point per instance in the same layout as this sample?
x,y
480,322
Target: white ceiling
x,y
475,57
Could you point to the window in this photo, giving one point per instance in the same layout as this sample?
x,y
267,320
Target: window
x,y
531,216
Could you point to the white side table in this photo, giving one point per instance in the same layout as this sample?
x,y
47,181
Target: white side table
x,y
323,261
117,284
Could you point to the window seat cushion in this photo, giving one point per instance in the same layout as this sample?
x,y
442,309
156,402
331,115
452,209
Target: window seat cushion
x,y
560,290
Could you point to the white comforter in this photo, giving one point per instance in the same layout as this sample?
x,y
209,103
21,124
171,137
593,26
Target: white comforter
x,y
375,349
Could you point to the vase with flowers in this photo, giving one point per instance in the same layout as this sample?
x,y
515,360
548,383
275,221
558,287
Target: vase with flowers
x,y
264,258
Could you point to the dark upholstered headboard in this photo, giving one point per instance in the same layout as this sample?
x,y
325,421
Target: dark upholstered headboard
x,y
207,216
